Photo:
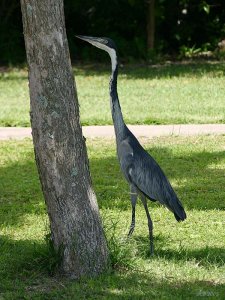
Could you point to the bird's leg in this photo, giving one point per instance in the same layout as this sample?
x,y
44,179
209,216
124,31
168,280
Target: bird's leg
x,y
150,224
133,198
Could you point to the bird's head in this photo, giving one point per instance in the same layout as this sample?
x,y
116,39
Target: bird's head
x,y
103,43
99,42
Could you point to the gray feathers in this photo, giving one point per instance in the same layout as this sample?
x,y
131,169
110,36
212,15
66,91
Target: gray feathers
x,y
141,170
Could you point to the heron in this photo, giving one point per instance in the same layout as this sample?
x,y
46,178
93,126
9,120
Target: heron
x,y
144,175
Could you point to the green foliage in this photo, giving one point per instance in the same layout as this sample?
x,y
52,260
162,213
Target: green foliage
x,y
189,256
204,6
121,248
178,23
52,257
11,33
189,52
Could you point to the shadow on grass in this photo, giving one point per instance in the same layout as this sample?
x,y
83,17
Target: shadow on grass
x,y
20,257
206,257
24,271
199,186
20,192
143,71
135,71
13,76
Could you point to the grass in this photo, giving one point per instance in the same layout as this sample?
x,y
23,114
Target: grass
x,y
189,261
164,94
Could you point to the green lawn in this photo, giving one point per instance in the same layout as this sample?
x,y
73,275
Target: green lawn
x,y
189,261
167,94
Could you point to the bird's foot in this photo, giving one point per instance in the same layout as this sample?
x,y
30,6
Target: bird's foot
x,y
151,250
131,231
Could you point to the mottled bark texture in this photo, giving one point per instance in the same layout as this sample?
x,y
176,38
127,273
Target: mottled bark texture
x,y
59,145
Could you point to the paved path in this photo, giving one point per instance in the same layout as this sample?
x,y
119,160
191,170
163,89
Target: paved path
x,y
138,130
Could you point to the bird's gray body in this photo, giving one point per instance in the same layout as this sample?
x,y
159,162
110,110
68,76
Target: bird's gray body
x,y
142,172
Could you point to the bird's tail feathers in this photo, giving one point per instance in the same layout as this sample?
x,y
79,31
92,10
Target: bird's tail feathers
x,y
182,216
178,209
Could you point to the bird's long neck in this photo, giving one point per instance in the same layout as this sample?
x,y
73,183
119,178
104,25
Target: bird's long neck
x,y
117,115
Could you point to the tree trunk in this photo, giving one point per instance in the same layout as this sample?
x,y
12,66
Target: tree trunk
x,y
150,24
60,149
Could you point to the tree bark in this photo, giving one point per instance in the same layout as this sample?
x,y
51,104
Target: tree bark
x,y
150,24
59,146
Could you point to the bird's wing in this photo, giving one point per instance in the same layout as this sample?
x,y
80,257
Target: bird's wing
x,y
146,174
126,158
148,177
142,170
134,169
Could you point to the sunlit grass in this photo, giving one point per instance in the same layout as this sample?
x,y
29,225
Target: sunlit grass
x,y
168,94
189,259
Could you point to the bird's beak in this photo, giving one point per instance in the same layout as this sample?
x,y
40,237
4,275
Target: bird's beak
x,y
99,42
95,41
88,39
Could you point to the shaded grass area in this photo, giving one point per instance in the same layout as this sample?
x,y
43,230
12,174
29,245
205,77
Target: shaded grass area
x,y
189,257
161,94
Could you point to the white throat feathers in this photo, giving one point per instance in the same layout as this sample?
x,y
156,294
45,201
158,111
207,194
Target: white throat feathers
x,y
112,53
113,57
114,101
